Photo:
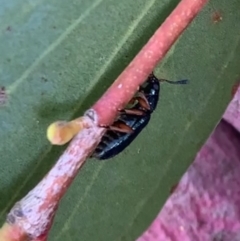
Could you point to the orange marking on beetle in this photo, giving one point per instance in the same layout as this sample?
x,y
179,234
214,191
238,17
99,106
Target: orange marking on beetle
x,y
133,112
121,127
142,100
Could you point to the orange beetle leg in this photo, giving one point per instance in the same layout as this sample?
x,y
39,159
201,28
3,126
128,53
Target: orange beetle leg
x,y
120,126
133,112
142,100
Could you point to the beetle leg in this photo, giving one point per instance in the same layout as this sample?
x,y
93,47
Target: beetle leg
x,y
126,129
129,112
119,126
130,104
142,100
132,112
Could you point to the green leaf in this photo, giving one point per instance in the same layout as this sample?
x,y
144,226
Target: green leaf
x,y
58,57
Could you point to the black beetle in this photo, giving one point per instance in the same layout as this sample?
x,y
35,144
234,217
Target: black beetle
x,y
131,121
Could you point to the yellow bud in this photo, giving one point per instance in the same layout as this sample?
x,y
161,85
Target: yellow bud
x,y
59,133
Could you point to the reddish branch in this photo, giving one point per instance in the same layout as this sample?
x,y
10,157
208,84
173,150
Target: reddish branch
x,y
126,85
33,215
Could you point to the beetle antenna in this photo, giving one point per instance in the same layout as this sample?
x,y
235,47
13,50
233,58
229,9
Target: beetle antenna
x,y
184,81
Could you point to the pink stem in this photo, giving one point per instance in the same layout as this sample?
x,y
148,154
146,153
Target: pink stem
x,y
35,212
126,85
